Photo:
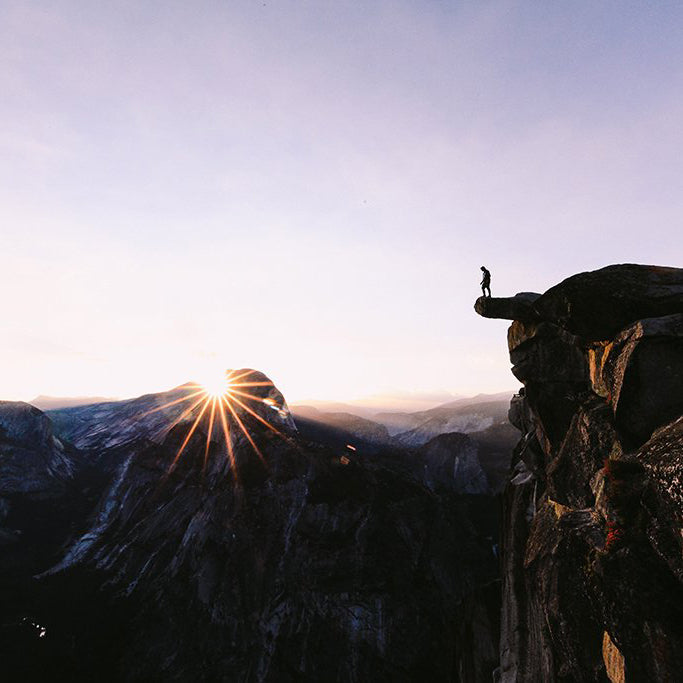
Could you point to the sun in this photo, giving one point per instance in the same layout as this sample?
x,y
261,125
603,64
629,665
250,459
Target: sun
x,y
221,397
215,384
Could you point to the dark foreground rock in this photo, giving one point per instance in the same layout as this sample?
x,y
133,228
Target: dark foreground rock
x,y
261,557
591,544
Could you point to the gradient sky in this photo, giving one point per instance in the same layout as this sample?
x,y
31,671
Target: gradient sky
x,y
309,188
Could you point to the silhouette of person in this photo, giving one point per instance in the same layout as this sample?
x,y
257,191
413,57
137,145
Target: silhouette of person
x,y
486,282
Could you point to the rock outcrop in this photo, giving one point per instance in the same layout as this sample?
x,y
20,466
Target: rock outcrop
x,y
518,307
592,552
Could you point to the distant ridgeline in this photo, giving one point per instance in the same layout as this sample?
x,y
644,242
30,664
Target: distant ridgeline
x,y
592,552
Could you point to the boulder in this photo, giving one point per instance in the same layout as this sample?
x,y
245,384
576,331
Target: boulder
x,y
596,305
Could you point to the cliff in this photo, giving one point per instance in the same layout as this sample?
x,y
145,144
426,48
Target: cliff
x,y
592,549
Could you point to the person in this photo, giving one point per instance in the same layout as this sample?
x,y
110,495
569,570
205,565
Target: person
x,y
486,282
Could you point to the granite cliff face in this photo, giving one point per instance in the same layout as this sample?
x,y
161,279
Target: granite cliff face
x,y
254,558
592,545
36,491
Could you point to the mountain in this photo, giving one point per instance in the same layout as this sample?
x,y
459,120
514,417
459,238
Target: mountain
x,y
342,429
55,402
492,445
466,418
36,472
439,416
485,422
115,423
225,546
333,407
371,405
591,549
451,461
464,415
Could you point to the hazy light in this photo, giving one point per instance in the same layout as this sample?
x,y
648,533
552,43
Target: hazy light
x,y
310,188
215,385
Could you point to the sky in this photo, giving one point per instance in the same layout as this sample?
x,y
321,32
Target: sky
x,y
310,188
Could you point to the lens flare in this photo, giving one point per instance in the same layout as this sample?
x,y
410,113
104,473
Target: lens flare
x,y
215,385
216,396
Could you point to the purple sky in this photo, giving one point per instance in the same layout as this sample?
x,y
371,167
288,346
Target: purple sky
x,y
309,188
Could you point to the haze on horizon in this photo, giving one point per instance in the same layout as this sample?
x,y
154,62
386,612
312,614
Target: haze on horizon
x,y
310,188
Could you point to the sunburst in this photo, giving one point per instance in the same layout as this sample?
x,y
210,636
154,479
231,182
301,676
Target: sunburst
x,y
221,397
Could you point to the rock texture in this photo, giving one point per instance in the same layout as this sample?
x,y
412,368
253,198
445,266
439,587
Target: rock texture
x,y
264,557
592,551
36,480
450,462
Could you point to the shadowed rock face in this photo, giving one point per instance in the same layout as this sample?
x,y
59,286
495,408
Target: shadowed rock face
x,y
599,304
341,428
450,462
591,543
32,459
287,564
36,476
641,372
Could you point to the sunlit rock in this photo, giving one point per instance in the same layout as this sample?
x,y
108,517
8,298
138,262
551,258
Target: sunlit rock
x,y
640,373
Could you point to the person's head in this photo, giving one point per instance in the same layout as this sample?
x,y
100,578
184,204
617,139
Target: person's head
x,y
483,267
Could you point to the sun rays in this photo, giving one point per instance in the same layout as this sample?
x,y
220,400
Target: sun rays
x,y
218,401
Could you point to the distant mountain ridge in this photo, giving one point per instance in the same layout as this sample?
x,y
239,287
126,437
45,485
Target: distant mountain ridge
x,y
466,419
56,402
371,405
481,422
397,421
